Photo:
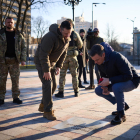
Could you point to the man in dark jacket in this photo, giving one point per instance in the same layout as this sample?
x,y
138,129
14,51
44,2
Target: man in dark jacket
x,y
49,58
82,59
92,40
118,76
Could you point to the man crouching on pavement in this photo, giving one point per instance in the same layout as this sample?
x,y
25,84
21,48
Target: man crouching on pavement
x,y
48,59
118,76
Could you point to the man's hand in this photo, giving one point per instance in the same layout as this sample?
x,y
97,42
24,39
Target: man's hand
x,y
105,82
57,70
47,75
22,63
105,91
81,53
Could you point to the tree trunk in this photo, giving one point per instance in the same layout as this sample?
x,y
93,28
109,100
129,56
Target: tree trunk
x,y
19,14
24,17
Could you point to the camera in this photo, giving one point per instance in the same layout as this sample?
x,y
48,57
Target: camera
x,y
90,32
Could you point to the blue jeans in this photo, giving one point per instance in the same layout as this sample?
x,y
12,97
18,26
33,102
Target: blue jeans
x,y
118,89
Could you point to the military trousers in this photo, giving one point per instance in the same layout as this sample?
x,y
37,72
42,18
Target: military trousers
x,y
71,63
10,66
48,88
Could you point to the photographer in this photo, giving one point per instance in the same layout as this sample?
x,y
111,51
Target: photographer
x,y
92,39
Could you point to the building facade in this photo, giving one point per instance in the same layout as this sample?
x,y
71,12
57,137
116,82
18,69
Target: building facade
x,y
4,8
80,23
127,49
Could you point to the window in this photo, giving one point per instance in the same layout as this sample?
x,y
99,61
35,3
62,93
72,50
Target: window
x,y
14,7
29,11
15,19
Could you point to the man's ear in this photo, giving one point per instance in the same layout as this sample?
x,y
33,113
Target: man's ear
x,y
103,54
60,29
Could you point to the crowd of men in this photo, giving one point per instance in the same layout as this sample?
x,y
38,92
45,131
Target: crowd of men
x,y
61,49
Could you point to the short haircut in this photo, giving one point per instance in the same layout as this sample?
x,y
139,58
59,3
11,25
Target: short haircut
x,y
66,24
70,20
9,18
96,49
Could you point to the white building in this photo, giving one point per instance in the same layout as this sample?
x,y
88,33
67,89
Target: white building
x,y
80,23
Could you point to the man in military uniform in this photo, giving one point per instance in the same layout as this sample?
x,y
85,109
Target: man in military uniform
x,y
49,58
82,59
12,52
71,63
93,39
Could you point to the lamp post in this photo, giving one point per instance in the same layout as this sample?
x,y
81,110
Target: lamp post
x,y
92,12
72,3
133,36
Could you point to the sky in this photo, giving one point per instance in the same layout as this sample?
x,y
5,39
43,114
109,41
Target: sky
x,y
114,13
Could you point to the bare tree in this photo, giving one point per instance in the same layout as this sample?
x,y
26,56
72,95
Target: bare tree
x,y
6,8
112,38
40,27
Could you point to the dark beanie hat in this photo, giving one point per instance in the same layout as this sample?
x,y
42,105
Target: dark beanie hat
x,y
82,30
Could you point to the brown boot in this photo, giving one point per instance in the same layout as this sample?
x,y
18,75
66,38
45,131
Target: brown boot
x,y
41,108
49,115
90,87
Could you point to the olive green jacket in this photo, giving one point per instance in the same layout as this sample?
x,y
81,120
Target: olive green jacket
x,y
20,49
52,50
92,40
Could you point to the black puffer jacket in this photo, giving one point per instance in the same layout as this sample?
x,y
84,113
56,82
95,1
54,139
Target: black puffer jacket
x,y
118,69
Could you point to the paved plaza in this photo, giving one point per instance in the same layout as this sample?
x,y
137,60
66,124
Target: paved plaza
x,y
86,117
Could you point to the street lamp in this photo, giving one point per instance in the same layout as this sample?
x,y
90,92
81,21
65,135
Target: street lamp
x,y
133,36
92,12
72,3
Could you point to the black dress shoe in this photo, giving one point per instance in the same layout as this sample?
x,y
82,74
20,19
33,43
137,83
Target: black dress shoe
x,y
1,102
118,119
60,94
17,100
126,108
86,82
76,94
81,86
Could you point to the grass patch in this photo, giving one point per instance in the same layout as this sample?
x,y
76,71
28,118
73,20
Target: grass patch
x,y
27,67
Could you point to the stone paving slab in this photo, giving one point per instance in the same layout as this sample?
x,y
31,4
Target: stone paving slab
x,y
81,125
24,122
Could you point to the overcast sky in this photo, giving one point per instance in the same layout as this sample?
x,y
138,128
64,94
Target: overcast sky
x,y
114,13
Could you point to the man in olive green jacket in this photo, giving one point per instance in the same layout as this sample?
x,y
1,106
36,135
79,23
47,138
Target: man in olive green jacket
x,y
49,58
12,52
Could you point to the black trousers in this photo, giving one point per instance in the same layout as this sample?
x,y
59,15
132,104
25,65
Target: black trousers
x,y
82,70
91,71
